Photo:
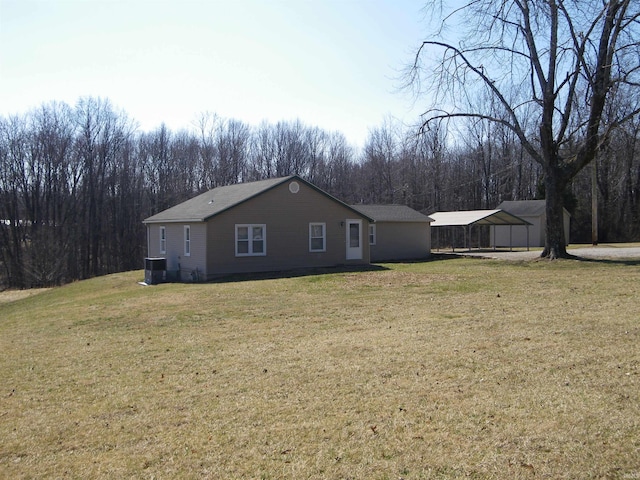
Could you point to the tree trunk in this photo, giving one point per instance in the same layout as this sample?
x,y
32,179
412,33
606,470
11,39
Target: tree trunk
x,y
555,243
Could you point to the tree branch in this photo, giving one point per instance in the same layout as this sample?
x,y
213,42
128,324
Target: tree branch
x,y
517,130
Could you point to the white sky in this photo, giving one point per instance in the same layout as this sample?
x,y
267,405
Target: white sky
x,y
334,64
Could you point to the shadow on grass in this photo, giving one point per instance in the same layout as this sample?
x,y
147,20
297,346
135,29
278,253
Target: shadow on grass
x,y
316,271
295,273
434,257
310,272
616,258
630,262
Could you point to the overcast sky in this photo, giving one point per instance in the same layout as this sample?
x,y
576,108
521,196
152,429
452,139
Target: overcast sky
x,y
334,64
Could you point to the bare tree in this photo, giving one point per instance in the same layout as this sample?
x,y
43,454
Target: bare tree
x,y
13,188
51,208
335,172
232,150
102,134
556,62
316,141
380,161
262,153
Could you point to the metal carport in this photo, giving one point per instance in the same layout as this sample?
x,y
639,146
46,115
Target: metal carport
x,y
467,218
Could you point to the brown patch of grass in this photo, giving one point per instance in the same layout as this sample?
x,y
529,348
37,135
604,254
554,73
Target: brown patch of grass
x,y
461,368
8,296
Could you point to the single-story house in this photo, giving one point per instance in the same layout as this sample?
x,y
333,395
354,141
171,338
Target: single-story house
x,y
533,211
399,232
269,225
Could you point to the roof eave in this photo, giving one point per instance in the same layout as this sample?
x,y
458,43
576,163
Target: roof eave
x,y
151,220
173,220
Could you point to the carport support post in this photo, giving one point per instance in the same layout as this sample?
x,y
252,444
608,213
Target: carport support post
x,y
511,238
453,239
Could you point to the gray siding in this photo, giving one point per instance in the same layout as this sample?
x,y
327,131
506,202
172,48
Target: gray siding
x,y
286,216
177,263
401,241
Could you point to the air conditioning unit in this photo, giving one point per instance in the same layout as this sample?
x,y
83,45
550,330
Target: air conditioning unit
x,y
155,270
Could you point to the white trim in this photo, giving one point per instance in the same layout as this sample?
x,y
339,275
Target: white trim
x,y
251,240
187,240
354,245
163,239
372,234
323,237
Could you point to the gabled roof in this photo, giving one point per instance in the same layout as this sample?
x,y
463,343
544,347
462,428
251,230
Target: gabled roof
x,y
475,217
527,208
392,213
221,199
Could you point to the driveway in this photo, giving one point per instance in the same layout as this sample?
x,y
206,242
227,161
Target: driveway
x,y
608,251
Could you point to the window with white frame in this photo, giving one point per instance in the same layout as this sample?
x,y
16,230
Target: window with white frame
x,y
251,240
187,240
317,237
372,234
163,240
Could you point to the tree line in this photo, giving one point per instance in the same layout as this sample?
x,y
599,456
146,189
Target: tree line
x,y
77,181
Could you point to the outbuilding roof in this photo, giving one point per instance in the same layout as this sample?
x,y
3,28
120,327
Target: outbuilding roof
x,y
392,213
526,208
220,199
475,217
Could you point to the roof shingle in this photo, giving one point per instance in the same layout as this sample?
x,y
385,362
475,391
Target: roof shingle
x,y
392,213
527,208
213,202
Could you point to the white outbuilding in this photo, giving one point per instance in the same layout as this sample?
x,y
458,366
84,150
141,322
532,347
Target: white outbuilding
x,y
533,211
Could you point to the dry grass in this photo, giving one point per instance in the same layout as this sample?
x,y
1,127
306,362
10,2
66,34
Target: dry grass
x,y
7,296
459,368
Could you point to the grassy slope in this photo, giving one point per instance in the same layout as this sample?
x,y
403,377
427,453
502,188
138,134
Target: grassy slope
x,y
446,369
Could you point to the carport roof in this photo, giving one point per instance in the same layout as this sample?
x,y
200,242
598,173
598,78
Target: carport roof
x,y
475,217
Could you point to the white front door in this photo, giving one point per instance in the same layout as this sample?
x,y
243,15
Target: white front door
x,y
354,239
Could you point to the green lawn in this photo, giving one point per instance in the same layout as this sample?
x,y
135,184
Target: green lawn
x,y
457,368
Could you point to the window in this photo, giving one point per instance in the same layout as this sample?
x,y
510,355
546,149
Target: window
x,y
317,237
251,240
372,234
187,240
163,240
354,234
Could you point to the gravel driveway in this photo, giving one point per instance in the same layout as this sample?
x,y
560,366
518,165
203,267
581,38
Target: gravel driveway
x,y
599,252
